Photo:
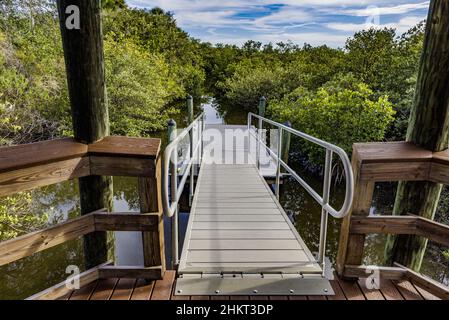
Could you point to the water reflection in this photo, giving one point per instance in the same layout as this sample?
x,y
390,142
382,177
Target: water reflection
x,y
30,275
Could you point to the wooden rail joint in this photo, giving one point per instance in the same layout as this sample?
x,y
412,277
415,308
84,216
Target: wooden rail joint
x,y
411,224
28,166
26,245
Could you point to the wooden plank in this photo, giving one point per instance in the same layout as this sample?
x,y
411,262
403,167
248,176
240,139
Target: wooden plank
x,y
389,290
38,153
391,152
255,225
246,244
163,288
85,278
142,290
410,171
242,234
122,166
37,241
425,294
370,294
439,172
45,174
243,256
392,273
350,248
433,231
434,287
104,289
85,292
150,200
126,146
351,290
123,290
407,290
151,273
339,295
204,298
126,222
384,224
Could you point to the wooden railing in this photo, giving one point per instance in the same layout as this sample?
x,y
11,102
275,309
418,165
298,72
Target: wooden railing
x,y
382,162
29,166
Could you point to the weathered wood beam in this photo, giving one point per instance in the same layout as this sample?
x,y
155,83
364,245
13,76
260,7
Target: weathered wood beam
x,y
27,245
150,199
84,60
149,273
61,289
391,273
350,247
411,225
126,222
429,129
40,175
385,225
37,241
432,286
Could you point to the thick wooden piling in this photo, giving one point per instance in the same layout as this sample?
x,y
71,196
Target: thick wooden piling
x,y
428,128
82,40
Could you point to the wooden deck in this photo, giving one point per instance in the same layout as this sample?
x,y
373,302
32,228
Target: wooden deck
x,y
130,289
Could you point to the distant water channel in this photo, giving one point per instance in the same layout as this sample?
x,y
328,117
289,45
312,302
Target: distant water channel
x,y
30,275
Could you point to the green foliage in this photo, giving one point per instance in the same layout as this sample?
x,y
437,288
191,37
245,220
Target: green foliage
x,y
113,4
342,112
156,31
139,86
446,254
16,217
251,80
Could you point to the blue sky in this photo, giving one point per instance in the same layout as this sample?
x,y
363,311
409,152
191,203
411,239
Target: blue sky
x,y
316,22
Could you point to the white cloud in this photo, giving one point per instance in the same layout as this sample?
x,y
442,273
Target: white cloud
x,y
401,26
311,21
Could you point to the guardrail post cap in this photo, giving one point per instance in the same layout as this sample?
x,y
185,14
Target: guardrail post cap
x,y
263,99
288,124
171,123
189,97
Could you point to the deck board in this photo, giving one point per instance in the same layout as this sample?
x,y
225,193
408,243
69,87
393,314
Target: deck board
x,y
240,230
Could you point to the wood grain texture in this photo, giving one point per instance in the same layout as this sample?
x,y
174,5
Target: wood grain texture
x,y
38,153
118,146
37,241
32,177
121,166
153,273
126,222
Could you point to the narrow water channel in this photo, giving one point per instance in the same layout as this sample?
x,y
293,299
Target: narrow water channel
x,y
60,202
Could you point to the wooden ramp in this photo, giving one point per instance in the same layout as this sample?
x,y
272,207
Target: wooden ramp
x,y
240,241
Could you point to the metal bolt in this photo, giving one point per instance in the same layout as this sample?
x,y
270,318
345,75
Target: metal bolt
x,y
255,291
179,291
217,291
292,291
325,290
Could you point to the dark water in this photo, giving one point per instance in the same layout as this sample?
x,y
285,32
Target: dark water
x,y
42,270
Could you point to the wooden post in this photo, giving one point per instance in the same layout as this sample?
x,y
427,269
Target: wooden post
x,y
82,41
350,246
428,128
150,191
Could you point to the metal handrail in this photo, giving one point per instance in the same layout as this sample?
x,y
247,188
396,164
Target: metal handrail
x,y
322,200
346,207
170,200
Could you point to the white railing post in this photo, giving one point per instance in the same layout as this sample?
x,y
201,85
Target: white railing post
x,y
324,214
278,163
174,190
